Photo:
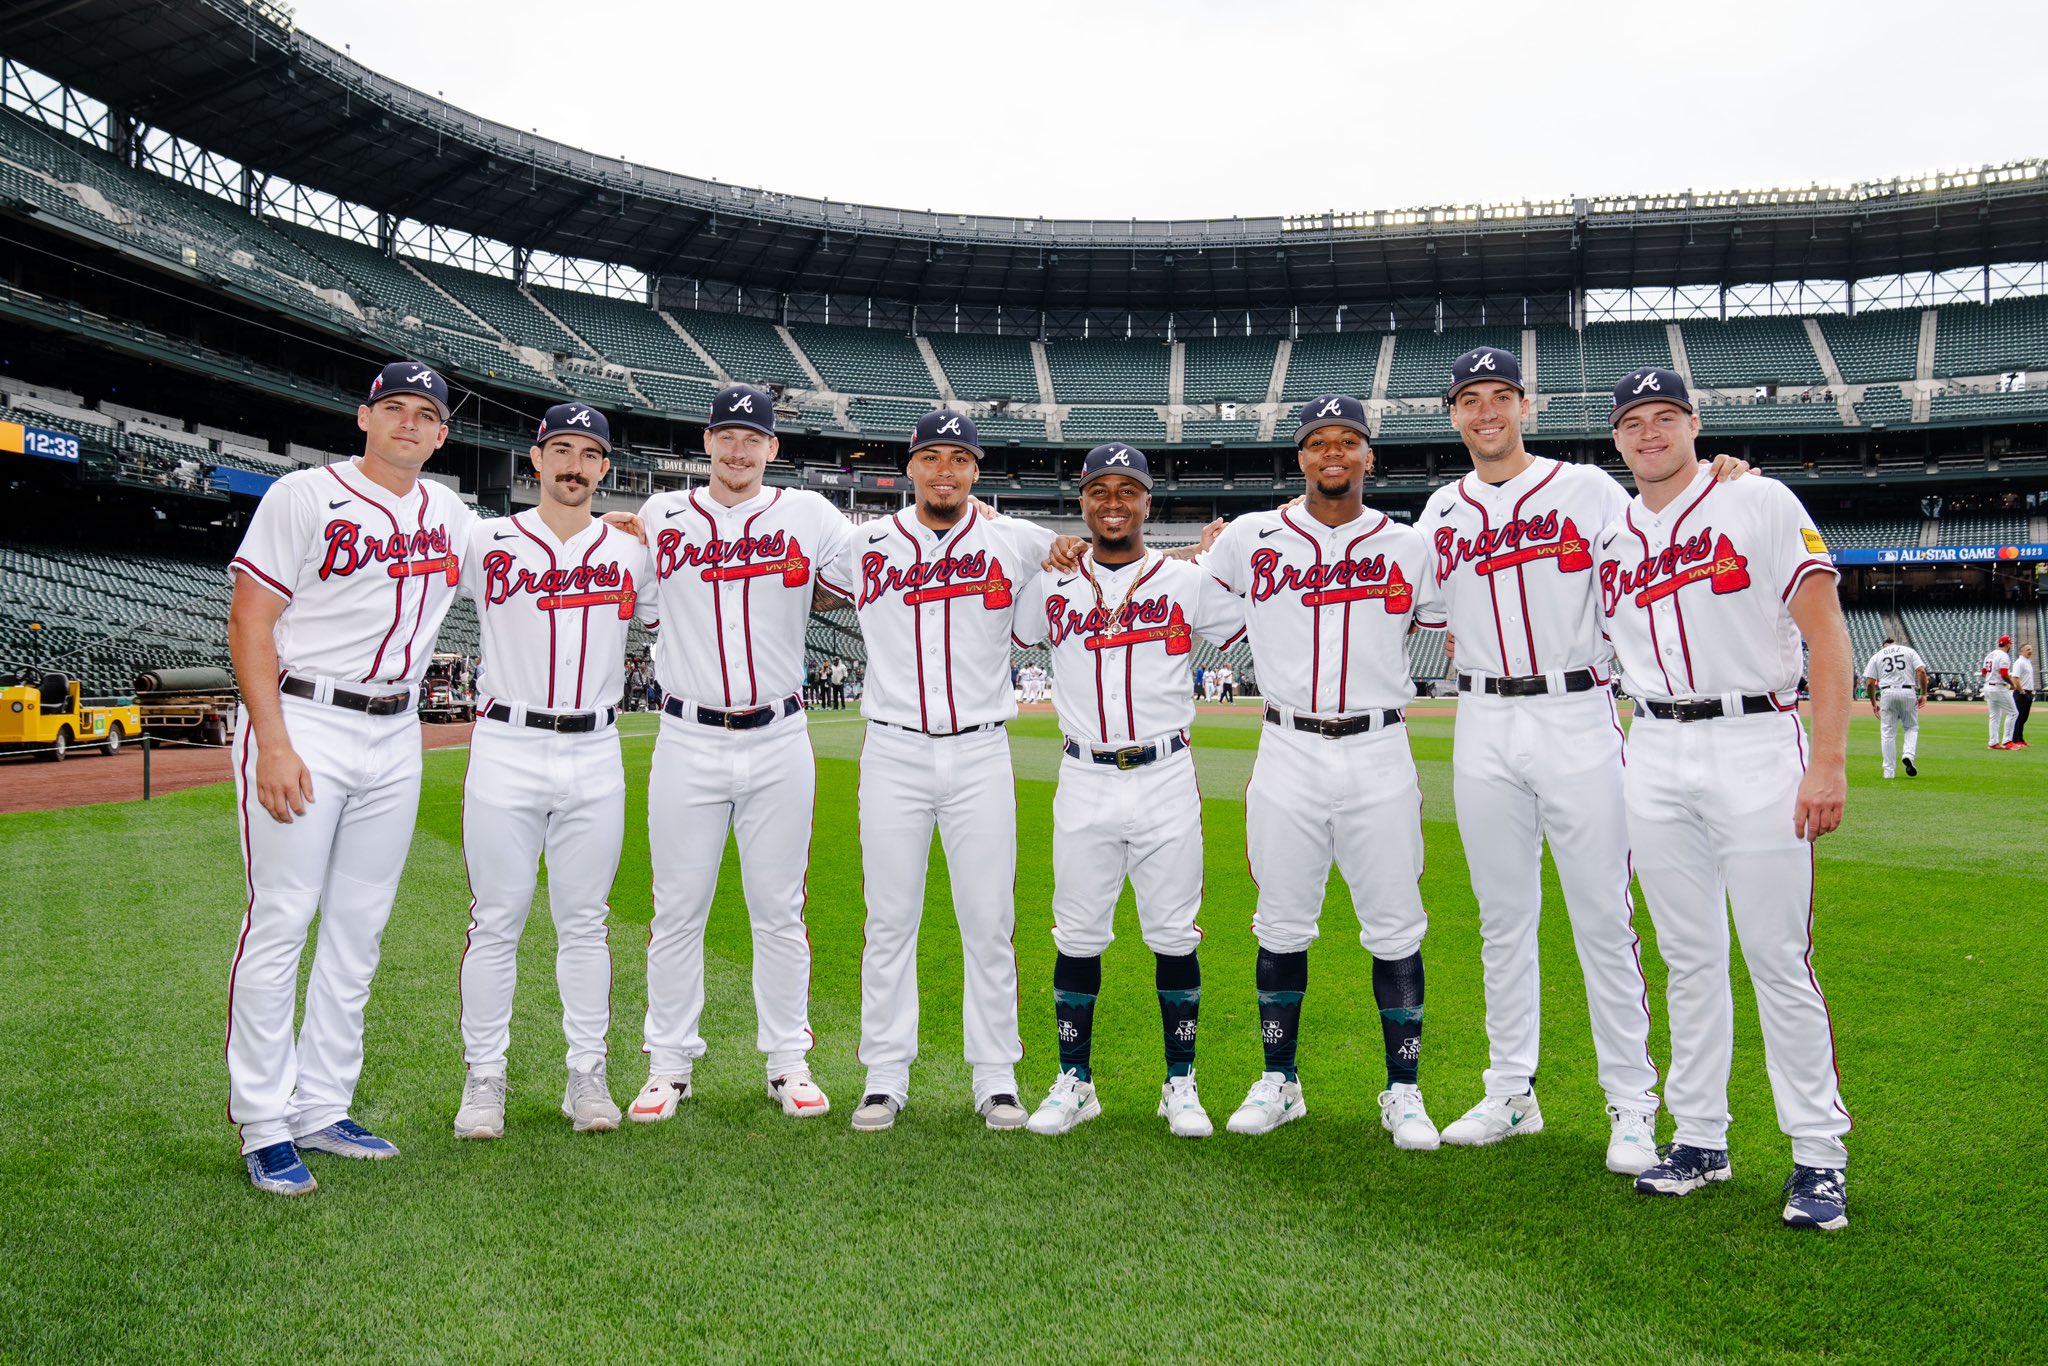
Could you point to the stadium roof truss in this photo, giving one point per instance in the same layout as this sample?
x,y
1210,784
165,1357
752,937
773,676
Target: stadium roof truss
x,y
235,77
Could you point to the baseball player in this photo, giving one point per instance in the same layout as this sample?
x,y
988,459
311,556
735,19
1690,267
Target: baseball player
x,y
1996,672
2022,695
340,585
1212,682
1895,680
556,591
735,565
1120,627
1707,590
937,584
1330,588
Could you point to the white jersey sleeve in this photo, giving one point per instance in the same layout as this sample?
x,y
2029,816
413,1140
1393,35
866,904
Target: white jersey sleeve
x,y
1792,548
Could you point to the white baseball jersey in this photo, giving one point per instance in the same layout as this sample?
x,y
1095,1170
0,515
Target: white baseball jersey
x,y
935,608
1896,666
1511,568
366,575
2023,674
734,589
1996,665
555,614
1696,596
1328,607
1122,643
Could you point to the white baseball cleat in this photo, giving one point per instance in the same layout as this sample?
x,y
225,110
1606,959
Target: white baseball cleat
x,y
1632,1147
1070,1102
1402,1115
1493,1119
799,1096
483,1108
659,1097
1182,1109
587,1101
1001,1111
875,1113
1272,1102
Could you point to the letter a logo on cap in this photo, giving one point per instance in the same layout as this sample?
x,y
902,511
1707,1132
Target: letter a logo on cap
x,y
1119,456
419,376
1483,361
951,424
743,404
1330,408
581,419
1648,381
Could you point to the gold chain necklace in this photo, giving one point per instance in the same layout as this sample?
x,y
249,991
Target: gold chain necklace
x,y
1113,620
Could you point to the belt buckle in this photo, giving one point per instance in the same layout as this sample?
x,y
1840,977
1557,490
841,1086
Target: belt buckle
x,y
1130,757
727,719
1530,685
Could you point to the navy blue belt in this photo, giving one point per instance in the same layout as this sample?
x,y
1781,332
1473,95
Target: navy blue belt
x,y
942,734
1709,709
561,722
751,719
1130,756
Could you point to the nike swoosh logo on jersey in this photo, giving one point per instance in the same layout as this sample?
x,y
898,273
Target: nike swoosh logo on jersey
x,y
342,504
878,539
1067,580
675,512
1267,532
505,536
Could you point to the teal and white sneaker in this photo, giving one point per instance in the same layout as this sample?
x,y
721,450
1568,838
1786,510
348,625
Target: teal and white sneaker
x,y
1494,1119
1070,1103
1182,1109
1632,1144
1272,1102
1402,1115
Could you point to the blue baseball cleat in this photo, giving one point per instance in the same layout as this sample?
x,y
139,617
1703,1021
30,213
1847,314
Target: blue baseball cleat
x,y
1816,1197
346,1138
278,1170
1682,1169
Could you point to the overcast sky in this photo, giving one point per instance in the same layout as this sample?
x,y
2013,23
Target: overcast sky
x,y
1121,108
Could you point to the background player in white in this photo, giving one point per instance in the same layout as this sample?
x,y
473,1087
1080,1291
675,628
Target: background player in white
x,y
735,565
556,591
2022,695
1212,683
1708,589
1896,681
936,584
340,585
1121,629
1331,589
1996,672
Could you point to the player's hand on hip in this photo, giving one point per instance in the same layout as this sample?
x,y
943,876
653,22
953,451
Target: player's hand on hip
x,y
1818,810
1450,647
284,785
1065,555
628,522
1726,467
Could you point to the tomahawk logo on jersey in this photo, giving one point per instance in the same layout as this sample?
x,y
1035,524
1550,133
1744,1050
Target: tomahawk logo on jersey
x,y
366,575
1327,607
1510,569
1122,640
936,609
736,583
1695,597
555,613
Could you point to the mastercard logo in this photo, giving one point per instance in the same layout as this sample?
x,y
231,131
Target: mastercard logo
x,y
2008,552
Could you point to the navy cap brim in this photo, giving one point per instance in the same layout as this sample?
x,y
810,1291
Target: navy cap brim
x,y
602,444
1614,417
961,442
1301,434
1142,476
1471,380
428,394
751,424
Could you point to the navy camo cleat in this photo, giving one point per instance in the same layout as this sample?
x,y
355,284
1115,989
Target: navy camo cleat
x,y
1682,1169
346,1138
1817,1197
278,1171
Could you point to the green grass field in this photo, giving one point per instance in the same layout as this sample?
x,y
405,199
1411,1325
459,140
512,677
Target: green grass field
x,y
733,1233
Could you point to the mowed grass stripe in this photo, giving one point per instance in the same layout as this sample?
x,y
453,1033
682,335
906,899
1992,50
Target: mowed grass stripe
x,y
732,1232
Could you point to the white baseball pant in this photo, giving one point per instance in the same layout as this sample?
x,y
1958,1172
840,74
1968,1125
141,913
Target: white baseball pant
x,y
527,792
1144,824
342,858
1710,816
1354,801
2004,713
1898,713
962,783
1527,769
760,785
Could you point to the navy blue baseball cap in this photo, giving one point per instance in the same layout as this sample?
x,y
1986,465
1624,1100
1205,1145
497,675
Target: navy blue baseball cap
x,y
410,377
1648,385
1116,458
945,428
1331,410
1484,363
741,405
577,419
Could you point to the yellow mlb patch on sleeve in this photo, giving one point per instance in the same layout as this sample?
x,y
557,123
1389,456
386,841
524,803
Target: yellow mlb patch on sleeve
x,y
1814,544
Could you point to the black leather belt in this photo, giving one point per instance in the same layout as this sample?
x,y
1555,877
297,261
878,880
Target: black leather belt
x,y
1708,709
1130,756
944,734
752,719
1530,685
369,703
1337,730
561,722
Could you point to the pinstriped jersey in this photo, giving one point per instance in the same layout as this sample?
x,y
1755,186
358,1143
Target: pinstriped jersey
x,y
555,613
1696,596
734,590
366,575
935,612
1328,608
1121,641
1511,568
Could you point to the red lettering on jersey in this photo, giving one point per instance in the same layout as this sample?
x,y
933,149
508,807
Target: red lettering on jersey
x,y
1522,540
408,554
1179,639
1699,557
949,576
722,561
1327,585
1061,620
583,585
